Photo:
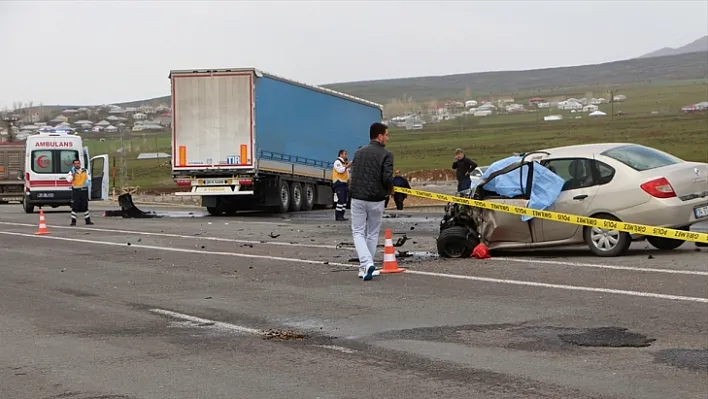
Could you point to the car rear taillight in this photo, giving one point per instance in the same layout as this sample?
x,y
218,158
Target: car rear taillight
x,y
659,188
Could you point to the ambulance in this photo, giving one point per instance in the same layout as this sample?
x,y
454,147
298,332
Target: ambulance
x,y
48,159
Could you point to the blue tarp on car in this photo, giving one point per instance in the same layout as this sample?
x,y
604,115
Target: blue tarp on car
x,y
545,188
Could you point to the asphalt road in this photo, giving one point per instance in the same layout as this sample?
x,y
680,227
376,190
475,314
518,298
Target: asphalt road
x,y
183,307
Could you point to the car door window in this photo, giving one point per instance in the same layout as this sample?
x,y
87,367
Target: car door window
x,y
576,172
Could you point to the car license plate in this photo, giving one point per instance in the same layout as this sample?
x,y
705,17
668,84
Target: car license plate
x,y
700,211
45,195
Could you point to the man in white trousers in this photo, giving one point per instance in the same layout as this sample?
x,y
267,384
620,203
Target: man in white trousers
x,y
369,186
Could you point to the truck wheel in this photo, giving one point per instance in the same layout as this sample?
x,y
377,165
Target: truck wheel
x,y
455,242
215,210
231,210
29,208
308,197
284,195
295,196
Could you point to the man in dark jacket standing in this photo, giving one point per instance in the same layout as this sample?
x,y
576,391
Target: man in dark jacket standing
x,y
463,166
371,182
398,198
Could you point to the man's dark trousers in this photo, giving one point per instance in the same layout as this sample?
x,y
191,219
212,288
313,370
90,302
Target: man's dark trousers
x,y
463,185
342,191
398,199
79,204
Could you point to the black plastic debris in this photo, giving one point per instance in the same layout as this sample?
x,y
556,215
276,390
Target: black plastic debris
x,y
272,235
130,210
401,241
613,337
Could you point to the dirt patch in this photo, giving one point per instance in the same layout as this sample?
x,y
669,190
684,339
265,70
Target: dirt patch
x,y
614,337
692,359
422,176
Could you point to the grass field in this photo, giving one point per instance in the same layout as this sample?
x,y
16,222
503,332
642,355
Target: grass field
x,y
651,117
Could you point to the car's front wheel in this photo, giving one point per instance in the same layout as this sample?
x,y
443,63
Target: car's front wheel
x,y
606,242
456,242
664,244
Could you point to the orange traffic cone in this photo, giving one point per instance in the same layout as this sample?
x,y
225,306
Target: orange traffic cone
x,y
390,265
42,224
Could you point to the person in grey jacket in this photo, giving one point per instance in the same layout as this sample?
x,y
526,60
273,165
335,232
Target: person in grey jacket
x,y
368,188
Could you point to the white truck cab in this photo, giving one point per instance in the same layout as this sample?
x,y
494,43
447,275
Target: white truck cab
x,y
48,159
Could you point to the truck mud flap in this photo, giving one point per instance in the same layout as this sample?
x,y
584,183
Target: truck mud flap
x,y
129,210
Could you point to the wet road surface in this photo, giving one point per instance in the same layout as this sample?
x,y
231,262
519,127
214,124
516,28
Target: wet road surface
x,y
258,306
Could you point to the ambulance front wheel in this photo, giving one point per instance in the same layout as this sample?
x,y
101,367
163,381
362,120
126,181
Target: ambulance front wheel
x,y
29,208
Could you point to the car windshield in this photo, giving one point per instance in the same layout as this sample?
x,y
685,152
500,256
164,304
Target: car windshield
x,y
641,158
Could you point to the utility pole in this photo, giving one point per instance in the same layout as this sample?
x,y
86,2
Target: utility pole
x,y
123,164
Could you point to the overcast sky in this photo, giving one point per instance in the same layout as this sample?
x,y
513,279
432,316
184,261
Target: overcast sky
x,y
86,53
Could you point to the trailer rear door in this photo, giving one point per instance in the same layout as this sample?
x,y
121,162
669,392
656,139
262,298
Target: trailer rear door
x,y
212,117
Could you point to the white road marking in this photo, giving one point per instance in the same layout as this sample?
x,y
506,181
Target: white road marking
x,y
565,287
600,266
415,272
172,249
323,246
219,325
146,233
337,348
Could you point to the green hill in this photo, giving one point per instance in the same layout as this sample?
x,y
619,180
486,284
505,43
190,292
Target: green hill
x,y
693,66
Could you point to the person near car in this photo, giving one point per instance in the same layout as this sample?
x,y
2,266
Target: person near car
x,y
340,184
80,180
463,166
398,198
370,184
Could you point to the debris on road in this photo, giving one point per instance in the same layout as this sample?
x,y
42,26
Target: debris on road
x,y
398,243
283,335
271,235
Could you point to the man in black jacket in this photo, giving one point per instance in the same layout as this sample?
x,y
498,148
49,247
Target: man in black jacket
x,y
463,167
371,182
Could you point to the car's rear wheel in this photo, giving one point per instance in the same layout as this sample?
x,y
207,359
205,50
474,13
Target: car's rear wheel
x,y
456,242
605,242
664,244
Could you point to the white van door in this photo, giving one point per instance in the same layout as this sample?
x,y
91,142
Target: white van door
x,y
100,178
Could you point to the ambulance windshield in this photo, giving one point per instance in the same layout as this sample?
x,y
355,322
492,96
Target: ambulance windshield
x,y
53,161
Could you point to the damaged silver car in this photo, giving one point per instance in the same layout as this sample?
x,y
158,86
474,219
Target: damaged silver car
x,y
619,182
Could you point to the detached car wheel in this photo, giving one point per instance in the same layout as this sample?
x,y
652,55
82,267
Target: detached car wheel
x,y
605,242
664,244
455,242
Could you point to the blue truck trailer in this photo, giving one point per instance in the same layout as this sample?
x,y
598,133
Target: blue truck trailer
x,y
245,139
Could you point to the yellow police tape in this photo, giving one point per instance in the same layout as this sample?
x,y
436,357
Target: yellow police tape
x,y
633,228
